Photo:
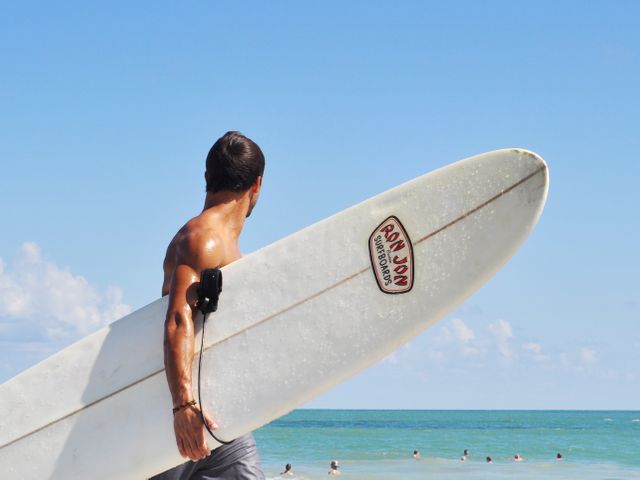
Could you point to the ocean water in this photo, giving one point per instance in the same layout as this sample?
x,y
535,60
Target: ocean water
x,y
378,444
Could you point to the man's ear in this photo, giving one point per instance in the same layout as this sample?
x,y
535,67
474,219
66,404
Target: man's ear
x,y
257,184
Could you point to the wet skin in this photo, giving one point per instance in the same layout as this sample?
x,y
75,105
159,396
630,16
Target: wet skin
x,y
208,240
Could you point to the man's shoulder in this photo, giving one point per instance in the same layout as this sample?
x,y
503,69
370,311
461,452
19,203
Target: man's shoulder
x,y
197,244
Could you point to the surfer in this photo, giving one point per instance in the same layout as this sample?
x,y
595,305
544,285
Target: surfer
x,y
287,470
233,176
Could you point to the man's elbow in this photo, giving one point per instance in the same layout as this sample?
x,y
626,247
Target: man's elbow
x,y
177,324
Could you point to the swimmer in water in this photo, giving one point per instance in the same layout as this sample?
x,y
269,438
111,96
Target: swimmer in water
x,y
416,454
287,470
489,460
517,458
334,468
558,456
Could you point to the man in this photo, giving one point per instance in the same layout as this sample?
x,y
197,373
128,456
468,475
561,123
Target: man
x,y
235,166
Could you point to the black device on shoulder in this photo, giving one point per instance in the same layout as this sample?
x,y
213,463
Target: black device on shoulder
x,y
209,290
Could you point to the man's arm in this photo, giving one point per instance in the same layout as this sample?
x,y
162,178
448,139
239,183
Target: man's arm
x,y
179,339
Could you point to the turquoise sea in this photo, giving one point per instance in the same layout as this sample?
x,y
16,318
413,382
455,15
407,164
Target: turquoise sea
x,y
378,444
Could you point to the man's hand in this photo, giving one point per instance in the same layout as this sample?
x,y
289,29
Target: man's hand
x,y
191,434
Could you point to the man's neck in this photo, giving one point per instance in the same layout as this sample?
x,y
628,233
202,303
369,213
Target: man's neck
x,y
229,209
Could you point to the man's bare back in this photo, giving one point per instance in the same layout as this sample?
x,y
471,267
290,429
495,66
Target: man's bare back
x,y
209,240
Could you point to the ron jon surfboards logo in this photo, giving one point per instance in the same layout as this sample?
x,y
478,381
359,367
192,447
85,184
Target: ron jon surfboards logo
x,y
392,256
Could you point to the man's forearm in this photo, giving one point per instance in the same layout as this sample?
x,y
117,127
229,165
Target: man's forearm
x,y
178,355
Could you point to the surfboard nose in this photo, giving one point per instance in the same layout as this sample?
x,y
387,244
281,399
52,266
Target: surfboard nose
x,y
536,161
538,165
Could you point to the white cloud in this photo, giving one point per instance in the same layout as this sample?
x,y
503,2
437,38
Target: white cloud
x,y
462,332
502,334
588,356
49,301
13,299
458,347
459,333
534,351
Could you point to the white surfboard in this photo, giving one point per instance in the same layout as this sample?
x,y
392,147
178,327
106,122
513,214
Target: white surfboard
x,y
295,319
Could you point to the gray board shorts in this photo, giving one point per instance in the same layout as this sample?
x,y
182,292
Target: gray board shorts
x,y
238,460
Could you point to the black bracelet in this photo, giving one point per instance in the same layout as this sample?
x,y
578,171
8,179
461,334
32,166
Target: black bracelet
x,y
183,406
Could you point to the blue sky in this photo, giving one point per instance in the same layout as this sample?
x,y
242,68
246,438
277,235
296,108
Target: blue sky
x,y
108,111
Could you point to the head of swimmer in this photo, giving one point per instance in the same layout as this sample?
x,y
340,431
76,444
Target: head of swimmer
x,y
235,165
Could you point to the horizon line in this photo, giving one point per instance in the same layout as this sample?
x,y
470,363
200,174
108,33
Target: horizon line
x,y
478,409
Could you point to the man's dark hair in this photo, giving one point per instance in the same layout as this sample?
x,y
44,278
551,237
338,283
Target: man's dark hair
x,y
233,163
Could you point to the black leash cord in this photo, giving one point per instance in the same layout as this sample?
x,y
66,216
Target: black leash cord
x,y
206,425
